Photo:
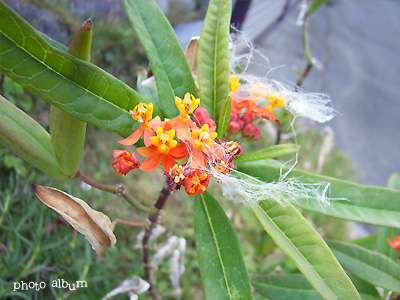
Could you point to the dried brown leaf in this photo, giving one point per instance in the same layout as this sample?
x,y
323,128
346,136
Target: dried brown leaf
x,y
191,54
94,225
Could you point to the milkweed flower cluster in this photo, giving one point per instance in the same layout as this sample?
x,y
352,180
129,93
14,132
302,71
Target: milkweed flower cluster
x,y
190,152
186,146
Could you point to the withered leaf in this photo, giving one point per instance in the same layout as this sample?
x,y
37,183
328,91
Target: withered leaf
x,y
191,53
94,225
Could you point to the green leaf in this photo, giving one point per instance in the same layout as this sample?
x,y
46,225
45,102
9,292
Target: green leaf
x,y
168,62
28,140
368,265
296,286
213,57
299,241
269,152
67,132
224,116
69,83
368,242
382,246
372,205
315,5
222,266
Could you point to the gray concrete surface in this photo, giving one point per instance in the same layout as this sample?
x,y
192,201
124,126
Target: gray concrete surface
x,y
358,43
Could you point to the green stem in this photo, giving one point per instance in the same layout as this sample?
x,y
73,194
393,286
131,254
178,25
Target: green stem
x,y
306,45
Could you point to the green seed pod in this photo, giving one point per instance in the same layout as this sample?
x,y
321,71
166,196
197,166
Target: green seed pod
x,y
68,133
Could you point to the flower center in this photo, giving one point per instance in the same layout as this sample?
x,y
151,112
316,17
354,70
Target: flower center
x,y
142,112
203,137
187,105
164,141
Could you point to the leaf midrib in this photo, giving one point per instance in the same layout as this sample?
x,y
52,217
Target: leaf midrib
x,y
215,61
296,250
150,38
216,245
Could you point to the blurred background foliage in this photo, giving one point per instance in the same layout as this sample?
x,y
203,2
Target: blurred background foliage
x,y
37,245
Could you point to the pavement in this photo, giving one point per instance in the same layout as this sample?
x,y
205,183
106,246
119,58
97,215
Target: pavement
x,y
358,43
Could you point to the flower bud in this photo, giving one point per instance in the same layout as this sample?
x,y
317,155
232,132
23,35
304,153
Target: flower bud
x,y
233,127
211,123
201,116
124,161
257,135
247,119
248,130
241,124
234,117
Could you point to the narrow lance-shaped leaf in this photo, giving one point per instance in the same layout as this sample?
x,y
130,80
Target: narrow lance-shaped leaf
x,y
67,132
382,245
224,116
295,286
299,241
213,57
69,83
168,62
370,266
269,152
222,266
28,140
350,201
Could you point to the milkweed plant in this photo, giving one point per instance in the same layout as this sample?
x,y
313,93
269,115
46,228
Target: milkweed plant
x,y
191,116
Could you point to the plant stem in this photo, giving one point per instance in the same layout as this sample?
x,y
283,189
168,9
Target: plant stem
x,y
136,224
307,53
118,190
162,200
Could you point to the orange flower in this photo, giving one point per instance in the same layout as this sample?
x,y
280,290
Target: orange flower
x,y
163,149
202,145
237,107
183,123
124,161
143,114
395,244
196,183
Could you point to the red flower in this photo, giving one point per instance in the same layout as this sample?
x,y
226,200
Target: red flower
x,y
395,244
196,182
124,161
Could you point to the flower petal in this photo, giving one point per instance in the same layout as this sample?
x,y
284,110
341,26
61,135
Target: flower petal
x,y
152,162
133,138
168,162
146,151
148,133
179,151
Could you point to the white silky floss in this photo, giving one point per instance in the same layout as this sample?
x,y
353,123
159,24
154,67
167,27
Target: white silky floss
x,y
242,188
313,106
